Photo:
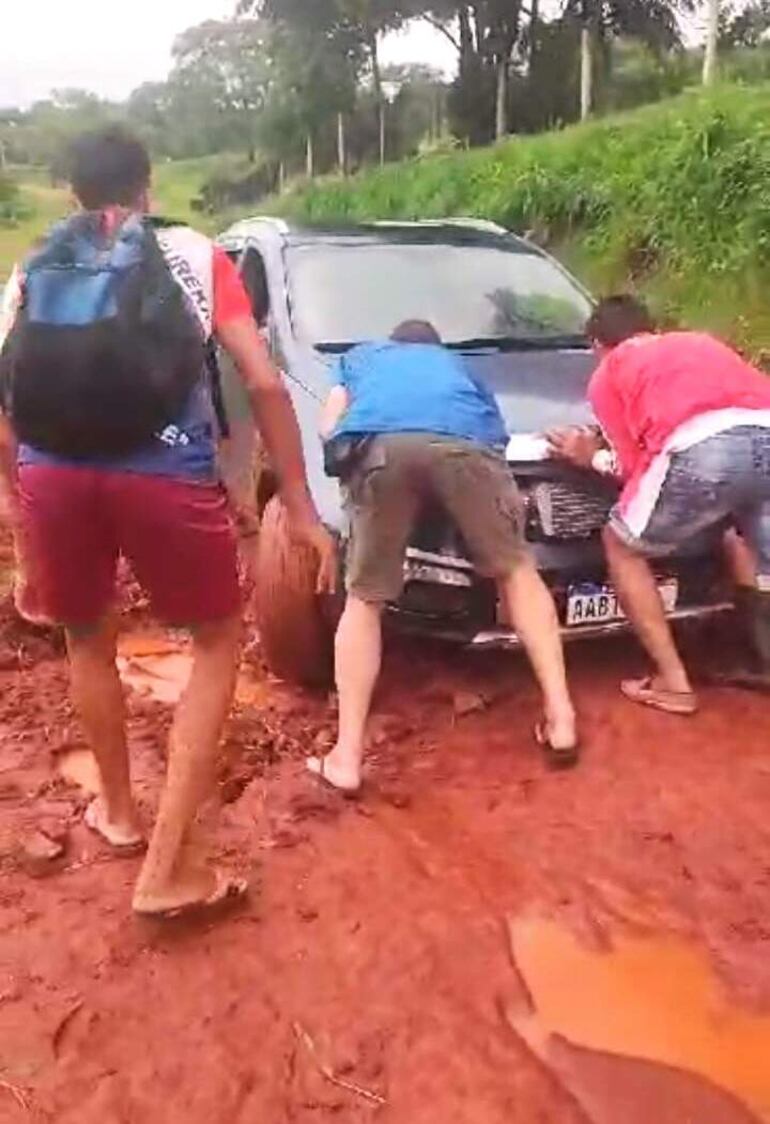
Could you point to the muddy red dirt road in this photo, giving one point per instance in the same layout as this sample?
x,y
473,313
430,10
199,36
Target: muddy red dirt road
x,y
477,941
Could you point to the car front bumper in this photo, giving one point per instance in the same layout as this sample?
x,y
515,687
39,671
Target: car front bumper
x,y
502,638
455,575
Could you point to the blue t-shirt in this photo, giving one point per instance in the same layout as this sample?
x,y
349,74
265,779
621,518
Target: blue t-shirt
x,y
416,388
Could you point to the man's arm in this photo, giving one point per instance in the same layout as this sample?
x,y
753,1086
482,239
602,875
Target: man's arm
x,y
277,424
10,299
609,448
585,447
8,486
335,407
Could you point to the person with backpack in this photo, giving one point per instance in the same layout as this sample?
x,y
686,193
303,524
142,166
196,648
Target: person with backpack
x,y
687,422
109,397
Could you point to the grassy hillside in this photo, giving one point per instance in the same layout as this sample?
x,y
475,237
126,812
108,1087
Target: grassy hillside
x,y
674,198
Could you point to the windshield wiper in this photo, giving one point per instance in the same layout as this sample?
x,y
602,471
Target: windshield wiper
x,y
335,347
521,343
485,343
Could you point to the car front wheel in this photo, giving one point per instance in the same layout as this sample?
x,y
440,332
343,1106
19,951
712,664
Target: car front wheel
x,y
296,633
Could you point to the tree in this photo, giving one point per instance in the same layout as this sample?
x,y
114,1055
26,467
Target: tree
x,y
354,27
653,22
748,27
222,68
148,113
712,39
369,19
41,134
416,107
485,35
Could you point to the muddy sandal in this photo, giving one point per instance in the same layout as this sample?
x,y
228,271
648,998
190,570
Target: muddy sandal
x,y
126,848
316,766
643,692
556,757
227,892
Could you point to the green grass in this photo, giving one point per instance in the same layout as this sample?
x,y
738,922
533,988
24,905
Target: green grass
x,y
177,182
673,198
43,205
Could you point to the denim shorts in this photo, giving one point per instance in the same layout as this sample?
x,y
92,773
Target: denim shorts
x,y
724,480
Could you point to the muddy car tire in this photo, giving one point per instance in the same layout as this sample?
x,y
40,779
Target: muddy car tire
x,y
295,628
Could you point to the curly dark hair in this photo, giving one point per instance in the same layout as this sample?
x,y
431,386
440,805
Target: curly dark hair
x,y
108,166
617,318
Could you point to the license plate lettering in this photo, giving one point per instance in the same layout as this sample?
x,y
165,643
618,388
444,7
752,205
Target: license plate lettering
x,y
595,604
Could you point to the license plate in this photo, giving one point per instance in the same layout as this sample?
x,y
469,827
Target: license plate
x,y
589,603
436,575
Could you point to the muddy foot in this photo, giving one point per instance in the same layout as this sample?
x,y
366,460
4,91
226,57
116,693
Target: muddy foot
x,y
213,892
343,778
123,836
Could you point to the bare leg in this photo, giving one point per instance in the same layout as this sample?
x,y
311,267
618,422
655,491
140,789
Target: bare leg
x,y
358,655
98,697
169,876
752,618
635,583
533,615
740,560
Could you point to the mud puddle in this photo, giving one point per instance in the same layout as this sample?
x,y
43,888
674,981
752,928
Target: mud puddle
x,y
156,666
159,667
647,1000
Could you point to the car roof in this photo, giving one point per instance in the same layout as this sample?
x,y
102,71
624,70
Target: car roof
x,y
468,231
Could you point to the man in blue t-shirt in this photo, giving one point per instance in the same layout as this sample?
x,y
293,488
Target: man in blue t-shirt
x,y
435,432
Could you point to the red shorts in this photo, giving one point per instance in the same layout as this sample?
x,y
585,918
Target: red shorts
x,y
177,535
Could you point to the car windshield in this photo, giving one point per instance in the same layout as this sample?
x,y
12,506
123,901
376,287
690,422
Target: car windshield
x,y
347,292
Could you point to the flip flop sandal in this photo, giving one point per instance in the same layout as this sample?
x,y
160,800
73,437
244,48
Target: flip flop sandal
x,y
227,892
684,703
316,766
556,757
126,848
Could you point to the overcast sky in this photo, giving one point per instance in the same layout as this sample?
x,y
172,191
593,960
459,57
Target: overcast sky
x,y
110,48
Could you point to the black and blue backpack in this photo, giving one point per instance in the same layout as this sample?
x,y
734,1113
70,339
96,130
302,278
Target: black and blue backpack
x,y
105,348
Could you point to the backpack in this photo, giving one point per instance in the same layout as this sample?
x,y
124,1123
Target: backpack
x,y
105,348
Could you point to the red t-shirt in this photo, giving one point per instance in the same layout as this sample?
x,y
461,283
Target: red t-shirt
x,y
649,385
231,301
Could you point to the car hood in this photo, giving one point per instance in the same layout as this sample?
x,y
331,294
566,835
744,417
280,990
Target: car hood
x,y
537,390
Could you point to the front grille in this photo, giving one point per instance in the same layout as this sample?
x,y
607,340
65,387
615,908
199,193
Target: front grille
x,y
563,511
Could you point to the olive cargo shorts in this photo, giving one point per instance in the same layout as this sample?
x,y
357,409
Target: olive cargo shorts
x,y
386,493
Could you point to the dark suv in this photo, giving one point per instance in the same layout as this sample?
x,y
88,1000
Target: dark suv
x,y
517,317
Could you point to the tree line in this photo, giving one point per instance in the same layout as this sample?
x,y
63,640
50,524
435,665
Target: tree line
x,y
300,87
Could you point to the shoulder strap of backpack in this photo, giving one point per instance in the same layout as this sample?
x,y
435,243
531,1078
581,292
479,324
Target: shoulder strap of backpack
x,y
214,373
189,257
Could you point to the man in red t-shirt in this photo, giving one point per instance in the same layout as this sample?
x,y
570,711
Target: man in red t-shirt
x,y
688,427
162,507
